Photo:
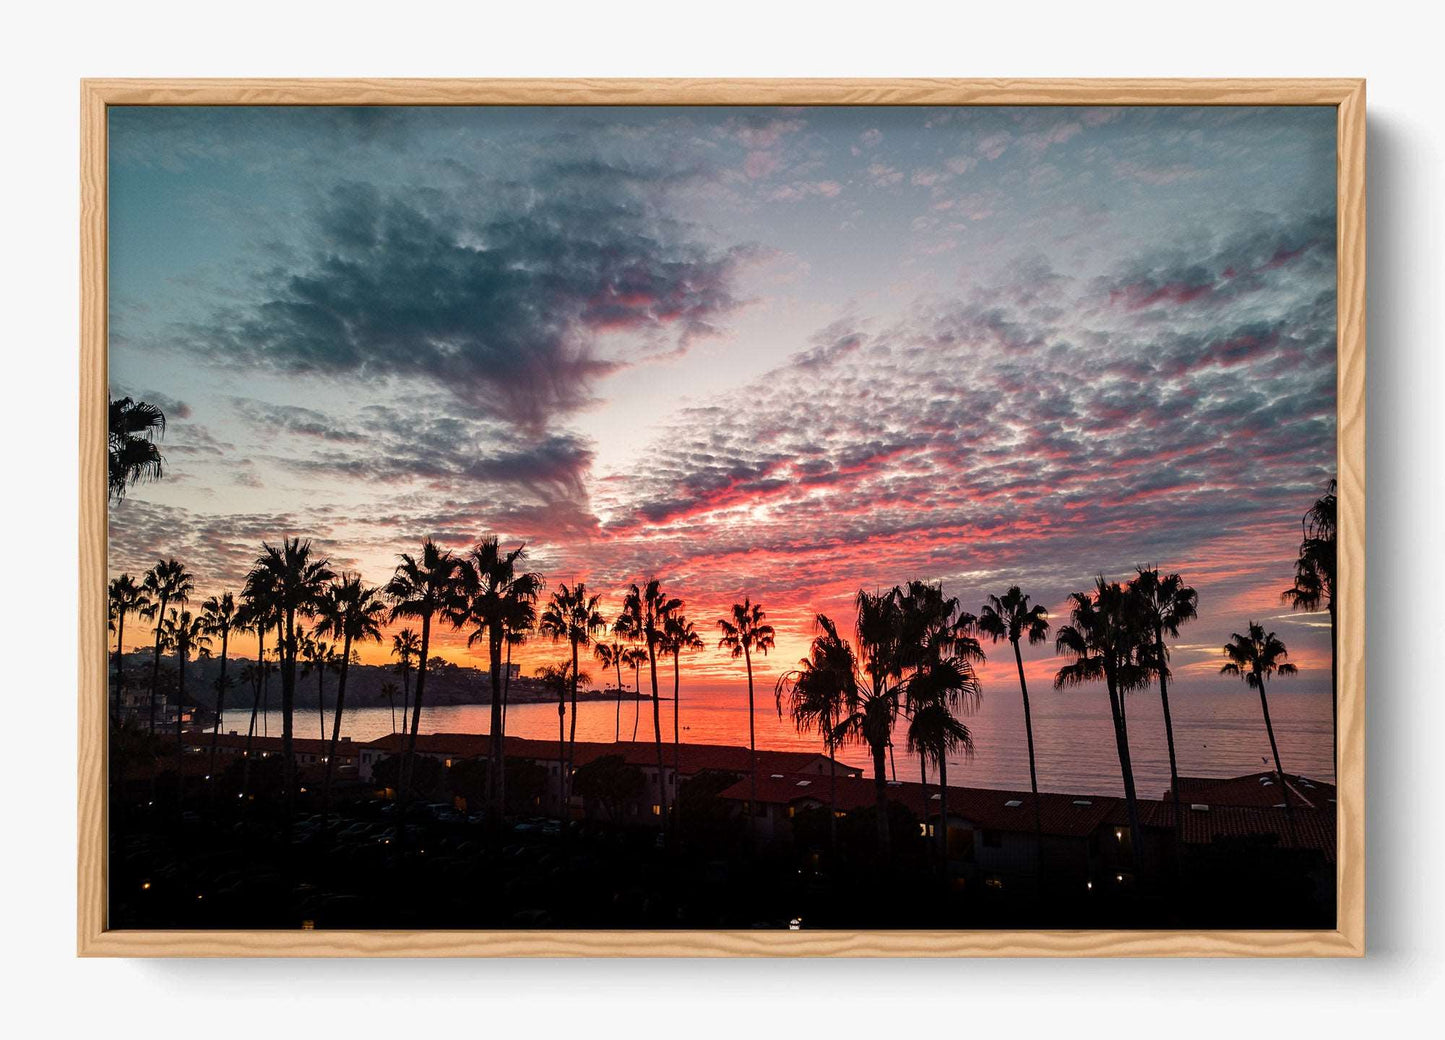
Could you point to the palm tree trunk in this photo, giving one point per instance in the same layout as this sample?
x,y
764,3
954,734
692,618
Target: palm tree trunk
x,y
572,731
617,730
321,697
1168,729
880,797
180,747
255,706
1278,769
832,797
676,742
405,700
943,811
1033,767
506,701
403,785
636,697
657,738
119,665
752,740
336,724
220,710
156,666
495,765
1126,770
562,753
288,712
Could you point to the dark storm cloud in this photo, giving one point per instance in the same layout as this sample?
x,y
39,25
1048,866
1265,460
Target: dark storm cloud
x,y
421,442
504,311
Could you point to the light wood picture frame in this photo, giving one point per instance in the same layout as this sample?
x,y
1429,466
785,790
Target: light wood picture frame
x,y
95,938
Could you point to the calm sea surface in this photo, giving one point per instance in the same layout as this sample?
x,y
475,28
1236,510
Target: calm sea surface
x,y
1216,733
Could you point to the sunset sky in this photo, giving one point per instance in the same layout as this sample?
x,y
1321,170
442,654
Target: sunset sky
x,y
786,353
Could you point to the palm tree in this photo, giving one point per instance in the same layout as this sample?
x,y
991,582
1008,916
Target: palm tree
x,y
609,655
494,592
744,631
820,693
935,732
647,610
635,657
1164,604
1314,583
125,597
1108,641
1254,657
219,617
1012,617
405,645
320,657
257,613
185,634
421,587
168,582
679,634
571,616
297,581
878,635
389,692
353,613
938,652
134,457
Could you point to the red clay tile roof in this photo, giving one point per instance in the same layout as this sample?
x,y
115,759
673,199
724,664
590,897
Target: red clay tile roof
x,y
693,758
1258,790
201,742
1060,814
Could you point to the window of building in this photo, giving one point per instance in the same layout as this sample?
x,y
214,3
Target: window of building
x,y
992,839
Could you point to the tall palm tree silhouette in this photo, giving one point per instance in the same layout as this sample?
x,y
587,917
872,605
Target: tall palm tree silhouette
x,y
125,596
1314,584
1256,656
878,637
257,612
167,583
744,631
818,695
609,655
938,653
134,456
185,634
493,589
388,693
1109,643
219,617
353,613
571,616
1164,603
1012,617
935,732
320,657
647,610
635,657
297,580
421,587
679,634
405,645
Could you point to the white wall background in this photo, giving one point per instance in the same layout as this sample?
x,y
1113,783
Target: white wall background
x,y
49,48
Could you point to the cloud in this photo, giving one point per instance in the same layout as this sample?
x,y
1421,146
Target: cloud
x,y
1025,430
504,311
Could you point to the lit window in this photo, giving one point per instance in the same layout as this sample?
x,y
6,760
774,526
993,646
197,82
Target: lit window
x,y
656,809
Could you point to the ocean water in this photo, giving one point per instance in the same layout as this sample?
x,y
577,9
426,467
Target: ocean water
x,y
1216,733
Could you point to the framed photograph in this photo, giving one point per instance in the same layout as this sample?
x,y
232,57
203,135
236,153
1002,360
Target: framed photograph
x,y
715,518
